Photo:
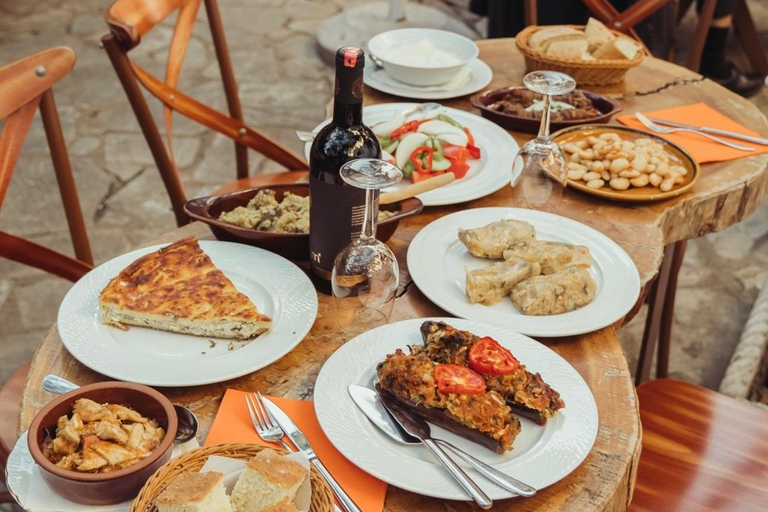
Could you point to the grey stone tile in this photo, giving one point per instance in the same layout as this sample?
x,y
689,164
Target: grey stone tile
x,y
17,349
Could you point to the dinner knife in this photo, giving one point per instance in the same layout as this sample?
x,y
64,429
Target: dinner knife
x,y
418,428
368,401
715,131
300,440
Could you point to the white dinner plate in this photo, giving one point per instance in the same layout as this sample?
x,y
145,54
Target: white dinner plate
x,y
541,455
485,176
438,261
156,358
479,76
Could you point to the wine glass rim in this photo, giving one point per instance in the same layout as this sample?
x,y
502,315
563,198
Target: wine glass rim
x,y
376,173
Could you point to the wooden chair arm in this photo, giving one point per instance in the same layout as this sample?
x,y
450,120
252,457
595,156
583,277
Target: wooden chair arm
x,y
219,122
20,83
128,20
637,12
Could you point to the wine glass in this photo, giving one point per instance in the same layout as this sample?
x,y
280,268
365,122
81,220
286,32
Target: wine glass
x,y
542,158
365,273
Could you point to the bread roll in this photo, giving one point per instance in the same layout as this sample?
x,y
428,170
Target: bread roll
x,y
620,48
268,480
195,492
542,38
572,49
597,34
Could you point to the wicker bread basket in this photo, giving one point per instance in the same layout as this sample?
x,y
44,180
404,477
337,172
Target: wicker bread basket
x,y
585,72
322,497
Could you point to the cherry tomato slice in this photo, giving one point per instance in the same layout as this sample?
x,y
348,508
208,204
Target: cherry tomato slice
x,y
488,357
452,378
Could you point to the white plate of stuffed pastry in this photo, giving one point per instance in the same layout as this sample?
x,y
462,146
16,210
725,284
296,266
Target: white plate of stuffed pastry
x,y
535,272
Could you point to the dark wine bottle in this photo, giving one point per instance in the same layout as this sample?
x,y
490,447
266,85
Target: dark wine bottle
x,y
337,210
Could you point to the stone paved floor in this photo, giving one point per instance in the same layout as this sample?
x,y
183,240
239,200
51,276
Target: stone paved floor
x,y
284,86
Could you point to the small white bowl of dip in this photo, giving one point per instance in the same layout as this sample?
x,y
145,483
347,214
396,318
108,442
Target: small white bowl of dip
x,y
422,56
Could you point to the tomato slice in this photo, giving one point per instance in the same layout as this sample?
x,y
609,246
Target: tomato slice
x,y
455,153
459,169
488,357
474,151
452,378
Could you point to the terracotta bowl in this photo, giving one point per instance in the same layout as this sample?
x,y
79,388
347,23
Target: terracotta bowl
x,y
294,246
607,108
116,486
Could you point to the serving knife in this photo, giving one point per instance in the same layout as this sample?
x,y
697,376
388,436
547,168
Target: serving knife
x,y
300,440
715,131
368,401
418,428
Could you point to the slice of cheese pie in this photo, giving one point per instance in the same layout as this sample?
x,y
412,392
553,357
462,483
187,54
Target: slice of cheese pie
x,y
179,289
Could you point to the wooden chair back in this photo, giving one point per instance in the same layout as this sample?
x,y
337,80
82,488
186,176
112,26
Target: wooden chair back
x,y
129,21
25,86
604,11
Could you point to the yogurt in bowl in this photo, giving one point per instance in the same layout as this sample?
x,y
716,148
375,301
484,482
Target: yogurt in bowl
x,y
422,57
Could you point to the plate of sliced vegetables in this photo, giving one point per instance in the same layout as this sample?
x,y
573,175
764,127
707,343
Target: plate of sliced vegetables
x,y
435,141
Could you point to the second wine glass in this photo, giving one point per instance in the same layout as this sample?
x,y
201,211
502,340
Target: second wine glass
x,y
365,273
542,157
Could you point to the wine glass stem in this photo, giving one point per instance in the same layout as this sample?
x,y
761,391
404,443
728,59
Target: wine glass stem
x,y
371,216
544,126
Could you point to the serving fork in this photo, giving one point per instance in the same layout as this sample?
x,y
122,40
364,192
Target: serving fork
x,y
664,129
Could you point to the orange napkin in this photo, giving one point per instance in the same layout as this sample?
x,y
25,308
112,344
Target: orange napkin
x,y
233,425
700,148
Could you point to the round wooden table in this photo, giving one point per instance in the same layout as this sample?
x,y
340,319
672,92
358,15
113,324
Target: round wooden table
x,y
725,194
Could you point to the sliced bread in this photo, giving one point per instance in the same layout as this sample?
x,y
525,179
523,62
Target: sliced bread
x,y
597,34
620,48
542,38
195,492
571,49
268,479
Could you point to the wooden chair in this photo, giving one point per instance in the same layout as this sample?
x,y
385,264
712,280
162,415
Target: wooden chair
x,y
129,21
26,85
745,29
702,451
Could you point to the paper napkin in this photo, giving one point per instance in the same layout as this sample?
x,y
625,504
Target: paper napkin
x,y
700,148
233,425
34,493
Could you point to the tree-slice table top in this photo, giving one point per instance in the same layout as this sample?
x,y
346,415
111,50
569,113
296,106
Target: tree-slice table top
x,y
725,194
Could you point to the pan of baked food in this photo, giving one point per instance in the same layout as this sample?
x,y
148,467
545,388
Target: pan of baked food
x,y
518,109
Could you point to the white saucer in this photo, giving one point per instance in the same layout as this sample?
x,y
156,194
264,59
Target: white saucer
x,y
480,75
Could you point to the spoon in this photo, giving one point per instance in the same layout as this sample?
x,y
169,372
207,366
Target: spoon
x,y
422,107
188,424
368,401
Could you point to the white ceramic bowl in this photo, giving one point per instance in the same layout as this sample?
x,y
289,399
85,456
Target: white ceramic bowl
x,y
385,47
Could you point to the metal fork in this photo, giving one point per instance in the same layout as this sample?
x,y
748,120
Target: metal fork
x,y
663,129
263,422
266,426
